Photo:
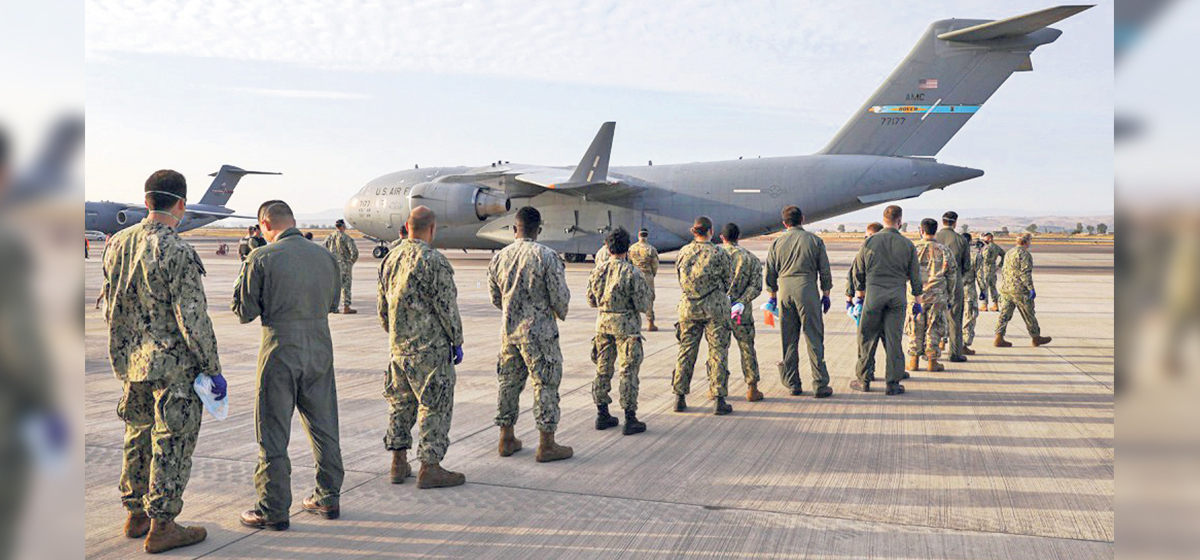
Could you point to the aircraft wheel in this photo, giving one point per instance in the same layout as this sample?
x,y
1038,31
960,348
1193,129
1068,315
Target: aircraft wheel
x,y
574,257
379,251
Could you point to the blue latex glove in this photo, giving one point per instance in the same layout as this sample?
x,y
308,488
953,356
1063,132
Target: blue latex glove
x,y
1032,294
850,308
773,302
916,309
457,355
983,296
220,387
54,428
825,304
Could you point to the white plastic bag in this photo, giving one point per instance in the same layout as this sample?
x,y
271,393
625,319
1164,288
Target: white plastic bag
x,y
219,409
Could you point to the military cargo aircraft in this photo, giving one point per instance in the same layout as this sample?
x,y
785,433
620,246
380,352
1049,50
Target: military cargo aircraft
x,y
885,152
111,217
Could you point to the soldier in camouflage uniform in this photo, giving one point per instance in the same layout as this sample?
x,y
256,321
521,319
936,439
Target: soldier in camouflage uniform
x,y
704,271
619,291
346,253
644,256
418,308
602,255
160,340
1018,293
962,261
292,285
993,260
528,283
798,275
886,261
971,291
745,285
937,274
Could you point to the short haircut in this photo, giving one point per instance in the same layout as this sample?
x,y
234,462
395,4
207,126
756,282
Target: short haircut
x,y
528,219
967,236
950,218
403,231
617,241
421,218
164,188
874,227
1024,239
275,211
251,229
792,216
929,226
893,214
643,233
702,226
731,232
988,234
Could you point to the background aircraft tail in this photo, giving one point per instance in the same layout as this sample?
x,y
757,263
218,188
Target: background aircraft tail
x,y
953,70
226,179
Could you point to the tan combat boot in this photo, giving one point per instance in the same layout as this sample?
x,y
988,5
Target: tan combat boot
x,y
933,365
967,351
651,326
432,475
167,535
400,467
509,443
994,307
983,307
1041,340
752,393
549,451
137,525
914,363
1001,343
347,311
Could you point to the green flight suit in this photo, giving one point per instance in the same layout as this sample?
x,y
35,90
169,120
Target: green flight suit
x,y
798,272
884,263
292,285
962,262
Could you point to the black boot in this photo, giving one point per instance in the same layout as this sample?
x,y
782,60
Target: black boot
x,y
680,403
632,425
722,407
604,420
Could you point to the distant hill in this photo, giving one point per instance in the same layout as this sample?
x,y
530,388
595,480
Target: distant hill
x,y
1049,224
324,218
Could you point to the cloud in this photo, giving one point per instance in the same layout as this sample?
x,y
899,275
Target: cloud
x,y
302,93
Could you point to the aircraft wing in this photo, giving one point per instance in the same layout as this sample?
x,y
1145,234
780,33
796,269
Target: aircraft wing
x,y
207,213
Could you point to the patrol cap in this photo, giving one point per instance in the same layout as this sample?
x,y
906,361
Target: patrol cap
x,y
950,216
339,223
643,232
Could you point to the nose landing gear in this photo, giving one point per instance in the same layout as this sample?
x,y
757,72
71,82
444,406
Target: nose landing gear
x,y
380,251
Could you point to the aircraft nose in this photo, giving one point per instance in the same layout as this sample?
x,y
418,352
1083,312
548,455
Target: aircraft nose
x,y
349,211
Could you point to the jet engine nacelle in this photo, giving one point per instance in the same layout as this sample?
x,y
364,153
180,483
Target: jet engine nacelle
x,y
130,216
459,203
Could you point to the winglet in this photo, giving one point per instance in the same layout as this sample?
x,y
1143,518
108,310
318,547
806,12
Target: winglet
x,y
593,168
1013,26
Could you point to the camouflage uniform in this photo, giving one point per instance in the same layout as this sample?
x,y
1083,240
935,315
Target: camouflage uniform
x,y
528,283
962,261
704,272
418,307
1018,283
602,255
346,253
971,297
987,276
798,272
619,291
292,285
644,256
743,288
926,330
160,339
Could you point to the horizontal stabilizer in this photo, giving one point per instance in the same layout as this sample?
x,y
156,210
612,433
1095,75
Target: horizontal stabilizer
x,y
1013,26
226,179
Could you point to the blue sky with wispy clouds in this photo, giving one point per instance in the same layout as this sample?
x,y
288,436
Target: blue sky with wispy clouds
x,y
334,93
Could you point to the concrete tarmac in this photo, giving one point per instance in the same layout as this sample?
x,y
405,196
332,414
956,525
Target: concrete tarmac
x,y
1008,456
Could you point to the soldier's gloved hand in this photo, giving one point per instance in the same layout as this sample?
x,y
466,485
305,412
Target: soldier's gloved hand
x,y
983,296
825,304
916,308
456,355
220,387
1032,294
858,303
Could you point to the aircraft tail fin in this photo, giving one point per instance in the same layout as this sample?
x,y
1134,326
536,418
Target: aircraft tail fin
x,y
226,179
593,168
955,67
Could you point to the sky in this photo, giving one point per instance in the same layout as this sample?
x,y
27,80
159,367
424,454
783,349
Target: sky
x,y
333,94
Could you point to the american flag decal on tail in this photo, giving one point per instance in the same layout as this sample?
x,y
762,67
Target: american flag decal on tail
x,y
927,83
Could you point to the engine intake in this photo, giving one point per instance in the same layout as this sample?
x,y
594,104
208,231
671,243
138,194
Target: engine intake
x,y
129,216
459,203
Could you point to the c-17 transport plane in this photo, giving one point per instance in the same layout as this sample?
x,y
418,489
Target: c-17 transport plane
x,y
111,217
885,152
